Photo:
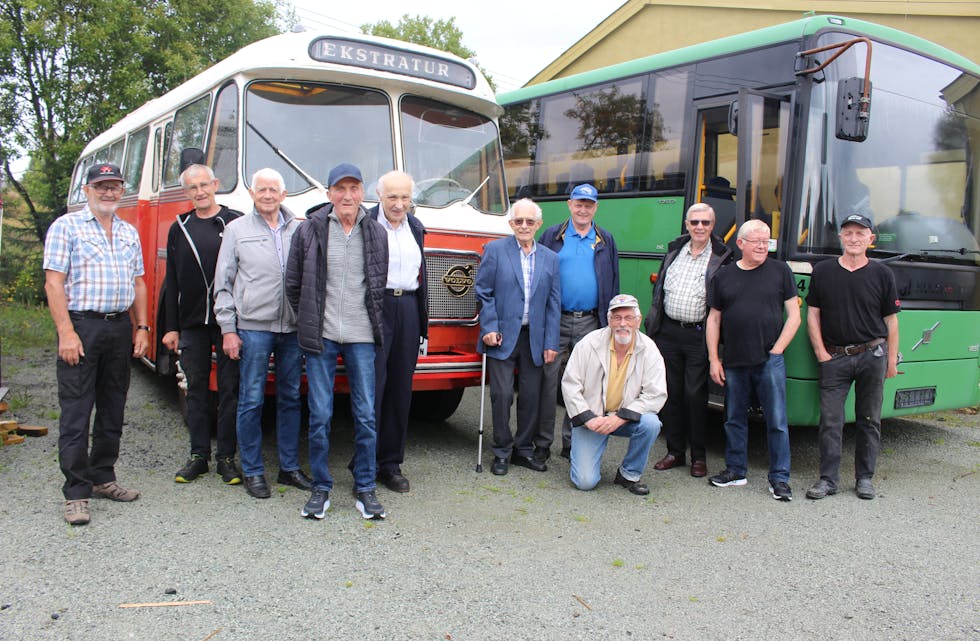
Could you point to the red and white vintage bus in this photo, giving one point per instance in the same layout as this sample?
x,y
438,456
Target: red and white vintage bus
x,y
301,103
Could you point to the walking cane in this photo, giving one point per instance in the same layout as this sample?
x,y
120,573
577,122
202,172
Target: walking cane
x,y
479,443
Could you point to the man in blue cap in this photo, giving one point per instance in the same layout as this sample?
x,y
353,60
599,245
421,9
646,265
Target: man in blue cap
x,y
589,272
335,284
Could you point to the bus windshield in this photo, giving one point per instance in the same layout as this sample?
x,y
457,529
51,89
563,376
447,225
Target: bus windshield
x,y
915,176
317,126
450,152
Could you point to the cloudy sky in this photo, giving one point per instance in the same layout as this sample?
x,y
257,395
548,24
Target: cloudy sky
x,y
513,39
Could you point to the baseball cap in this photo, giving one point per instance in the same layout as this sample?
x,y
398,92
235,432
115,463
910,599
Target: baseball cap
x,y
343,170
857,219
585,191
624,300
102,171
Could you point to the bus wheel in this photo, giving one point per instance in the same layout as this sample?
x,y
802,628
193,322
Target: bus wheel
x,y
437,405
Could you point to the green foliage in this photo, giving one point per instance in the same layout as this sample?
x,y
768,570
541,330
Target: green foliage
x,y
21,276
71,69
442,34
25,327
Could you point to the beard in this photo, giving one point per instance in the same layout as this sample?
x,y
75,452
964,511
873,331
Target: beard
x,y
623,338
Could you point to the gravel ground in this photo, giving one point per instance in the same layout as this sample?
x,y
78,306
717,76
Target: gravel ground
x,y
474,556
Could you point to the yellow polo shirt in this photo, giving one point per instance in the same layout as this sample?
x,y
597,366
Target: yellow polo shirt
x,y
617,376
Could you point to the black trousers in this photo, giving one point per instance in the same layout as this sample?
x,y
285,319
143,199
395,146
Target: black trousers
x,y
100,380
196,344
500,374
686,362
394,366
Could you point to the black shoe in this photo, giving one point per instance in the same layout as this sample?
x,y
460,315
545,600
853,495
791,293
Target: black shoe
x,y
780,491
499,466
529,463
636,487
296,478
317,506
566,453
369,506
542,454
394,481
257,487
229,471
192,469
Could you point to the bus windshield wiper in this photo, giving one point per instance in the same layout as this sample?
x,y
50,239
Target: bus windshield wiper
x,y
466,201
279,152
962,251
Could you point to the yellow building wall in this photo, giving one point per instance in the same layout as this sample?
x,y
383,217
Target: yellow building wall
x,y
644,27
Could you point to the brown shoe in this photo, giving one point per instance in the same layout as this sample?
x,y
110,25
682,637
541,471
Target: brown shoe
x,y
115,492
699,469
668,462
76,512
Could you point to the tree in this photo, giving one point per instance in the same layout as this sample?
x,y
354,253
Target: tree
x,y
423,30
69,69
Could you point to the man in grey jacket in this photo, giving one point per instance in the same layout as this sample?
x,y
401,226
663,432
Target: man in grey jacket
x,y
614,384
335,283
256,321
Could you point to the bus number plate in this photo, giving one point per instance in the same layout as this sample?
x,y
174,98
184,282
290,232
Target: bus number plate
x,y
916,397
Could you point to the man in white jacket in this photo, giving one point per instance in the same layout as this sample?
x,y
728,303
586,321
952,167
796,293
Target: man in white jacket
x,y
614,384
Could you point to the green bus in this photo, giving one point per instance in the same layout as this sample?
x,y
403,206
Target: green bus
x,y
799,124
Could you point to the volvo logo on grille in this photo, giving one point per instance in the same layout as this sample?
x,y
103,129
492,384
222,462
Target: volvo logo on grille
x,y
458,279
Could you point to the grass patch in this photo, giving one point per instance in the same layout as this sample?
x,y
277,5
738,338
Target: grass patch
x,y
25,327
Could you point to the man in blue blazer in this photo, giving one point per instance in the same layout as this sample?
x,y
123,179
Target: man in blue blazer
x,y
519,290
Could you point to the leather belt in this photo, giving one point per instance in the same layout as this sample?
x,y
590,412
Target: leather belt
x,y
581,314
851,350
699,325
110,316
401,292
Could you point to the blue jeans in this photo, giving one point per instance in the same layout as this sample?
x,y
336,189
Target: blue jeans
x,y
588,447
253,370
320,371
769,382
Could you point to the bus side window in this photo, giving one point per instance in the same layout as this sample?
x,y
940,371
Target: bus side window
x,y
135,157
189,126
222,150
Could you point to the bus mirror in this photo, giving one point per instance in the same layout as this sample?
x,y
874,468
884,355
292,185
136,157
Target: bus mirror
x,y
853,109
733,118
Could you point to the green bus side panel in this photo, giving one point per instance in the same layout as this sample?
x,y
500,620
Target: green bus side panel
x,y
956,384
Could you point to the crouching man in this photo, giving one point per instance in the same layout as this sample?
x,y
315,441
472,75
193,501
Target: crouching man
x,y
614,384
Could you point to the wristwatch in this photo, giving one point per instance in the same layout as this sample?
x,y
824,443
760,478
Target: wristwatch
x,y
146,327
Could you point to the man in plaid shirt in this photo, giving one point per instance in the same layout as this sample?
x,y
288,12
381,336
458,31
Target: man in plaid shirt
x,y
93,267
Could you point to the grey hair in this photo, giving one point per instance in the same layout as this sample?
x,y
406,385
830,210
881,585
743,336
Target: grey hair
x,y
393,174
699,207
193,169
522,203
269,174
753,225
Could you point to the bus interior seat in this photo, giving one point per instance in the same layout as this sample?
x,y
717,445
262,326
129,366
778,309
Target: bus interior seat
x,y
718,194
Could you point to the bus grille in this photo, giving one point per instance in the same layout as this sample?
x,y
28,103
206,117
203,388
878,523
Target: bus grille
x,y
452,274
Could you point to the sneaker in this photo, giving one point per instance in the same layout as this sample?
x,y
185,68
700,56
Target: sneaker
x,y
369,506
229,471
192,469
115,492
865,490
317,506
780,491
727,478
820,489
76,512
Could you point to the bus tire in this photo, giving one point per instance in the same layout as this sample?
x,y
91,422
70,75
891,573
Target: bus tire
x,y
437,405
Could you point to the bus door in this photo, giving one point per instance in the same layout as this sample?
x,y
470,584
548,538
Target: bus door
x,y
761,125
717,168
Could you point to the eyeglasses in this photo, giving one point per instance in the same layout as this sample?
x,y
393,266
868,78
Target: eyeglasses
x,y
103,188
757,243
622,318
524,222
703,223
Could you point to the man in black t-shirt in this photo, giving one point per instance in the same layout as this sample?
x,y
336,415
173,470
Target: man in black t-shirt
x,y
853,328
747,300
189,324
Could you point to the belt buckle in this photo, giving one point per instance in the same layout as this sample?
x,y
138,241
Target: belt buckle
x,y
578,314
398,291
110,316
851,350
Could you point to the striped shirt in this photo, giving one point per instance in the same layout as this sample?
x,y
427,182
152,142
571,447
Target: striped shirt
x,y
527,269
684,287
99,276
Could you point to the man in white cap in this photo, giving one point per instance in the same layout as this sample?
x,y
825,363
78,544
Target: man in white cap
x,y
614,384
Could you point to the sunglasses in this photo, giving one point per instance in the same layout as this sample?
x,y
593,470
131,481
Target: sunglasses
x,y
523,222
703,223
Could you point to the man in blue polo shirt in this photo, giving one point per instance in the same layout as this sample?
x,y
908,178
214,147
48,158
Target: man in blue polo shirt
x,y
589,271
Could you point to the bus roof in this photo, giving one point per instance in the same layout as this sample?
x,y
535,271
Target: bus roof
x,y
285,54
786,32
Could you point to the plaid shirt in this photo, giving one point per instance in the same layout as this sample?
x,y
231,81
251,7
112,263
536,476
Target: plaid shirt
x,y
99,277
684,288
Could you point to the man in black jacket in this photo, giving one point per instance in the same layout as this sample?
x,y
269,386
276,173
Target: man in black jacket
x,y
335,282
676,323
189,324
405,322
